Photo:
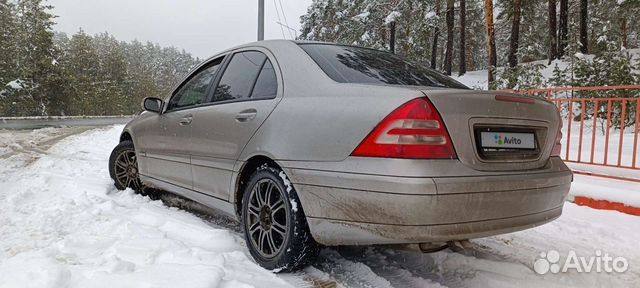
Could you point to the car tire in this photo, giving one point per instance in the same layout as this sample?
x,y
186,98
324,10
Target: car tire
x,y
123,167
275,228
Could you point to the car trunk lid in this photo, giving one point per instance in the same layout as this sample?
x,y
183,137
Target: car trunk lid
x,y
494,131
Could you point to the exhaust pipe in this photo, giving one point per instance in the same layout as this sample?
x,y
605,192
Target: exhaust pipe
x,y
460,245
432,247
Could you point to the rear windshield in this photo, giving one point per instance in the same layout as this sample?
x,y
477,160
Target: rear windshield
x,y
348,64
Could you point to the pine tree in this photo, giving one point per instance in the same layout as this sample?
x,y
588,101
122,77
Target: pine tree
x,y
83,71
493,62
463,47
553,31
33,62
563,36
436,35
584,16
7,57
449,52
515,33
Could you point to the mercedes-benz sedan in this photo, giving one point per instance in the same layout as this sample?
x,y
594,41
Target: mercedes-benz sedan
x,y
310,144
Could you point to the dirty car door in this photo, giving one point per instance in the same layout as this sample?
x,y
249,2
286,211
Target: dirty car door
x,y
243,98
168,159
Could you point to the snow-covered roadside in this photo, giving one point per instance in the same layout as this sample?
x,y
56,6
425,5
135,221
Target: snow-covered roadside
x,y
64,225
625,192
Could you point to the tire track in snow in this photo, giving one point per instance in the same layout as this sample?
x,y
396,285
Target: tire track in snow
x,y
401,268
349,273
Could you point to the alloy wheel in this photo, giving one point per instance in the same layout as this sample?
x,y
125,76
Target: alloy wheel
x,y
126,170
267,218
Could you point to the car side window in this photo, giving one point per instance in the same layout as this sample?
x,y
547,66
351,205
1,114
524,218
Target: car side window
x,y
239,77
194,91
266,86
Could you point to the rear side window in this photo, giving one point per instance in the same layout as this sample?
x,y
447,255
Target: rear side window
x,y
239,76
348,64
266,85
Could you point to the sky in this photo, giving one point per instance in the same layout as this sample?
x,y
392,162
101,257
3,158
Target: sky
x,y
201,27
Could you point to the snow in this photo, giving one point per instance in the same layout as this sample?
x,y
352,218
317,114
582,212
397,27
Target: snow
x,y
287,183
430,14
64,225
391,17
605,189
362,16
15,84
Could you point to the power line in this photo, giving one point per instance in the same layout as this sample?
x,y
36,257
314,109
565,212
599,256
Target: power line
x,y
295,33
279,20
284,15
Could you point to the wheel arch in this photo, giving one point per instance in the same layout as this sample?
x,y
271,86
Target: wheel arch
x,y
126,135
244,173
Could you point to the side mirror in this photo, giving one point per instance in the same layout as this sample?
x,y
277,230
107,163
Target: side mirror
x,y
152,104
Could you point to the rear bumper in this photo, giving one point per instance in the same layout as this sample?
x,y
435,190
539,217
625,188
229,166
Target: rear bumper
x,y
347,208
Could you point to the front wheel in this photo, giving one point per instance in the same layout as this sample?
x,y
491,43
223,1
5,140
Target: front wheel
x,y
123,167
274,224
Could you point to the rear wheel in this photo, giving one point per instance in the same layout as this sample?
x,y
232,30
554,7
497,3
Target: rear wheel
x,y
123,167
275,227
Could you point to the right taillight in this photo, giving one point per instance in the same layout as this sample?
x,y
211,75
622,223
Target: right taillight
x,y
557,146
415,131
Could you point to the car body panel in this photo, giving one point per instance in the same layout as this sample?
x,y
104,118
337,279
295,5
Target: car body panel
x,y
219,136
310,131
462,110
430,200
163,146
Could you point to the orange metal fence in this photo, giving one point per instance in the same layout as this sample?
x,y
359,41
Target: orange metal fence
x,y
600,124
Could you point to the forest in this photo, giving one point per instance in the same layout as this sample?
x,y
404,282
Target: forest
x,y
584,43
592,39
46,73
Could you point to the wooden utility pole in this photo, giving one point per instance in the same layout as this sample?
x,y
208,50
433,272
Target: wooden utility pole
x,y
463,46
488,14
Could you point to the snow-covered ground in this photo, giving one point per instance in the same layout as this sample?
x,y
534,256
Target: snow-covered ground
x,y
63,224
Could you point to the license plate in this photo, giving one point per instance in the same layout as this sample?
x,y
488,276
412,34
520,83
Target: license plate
x,y
507,140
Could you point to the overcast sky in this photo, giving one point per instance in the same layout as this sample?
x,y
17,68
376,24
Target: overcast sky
x,y
201,27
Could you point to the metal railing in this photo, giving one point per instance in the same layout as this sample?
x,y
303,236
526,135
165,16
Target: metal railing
x,y
57,121
600,125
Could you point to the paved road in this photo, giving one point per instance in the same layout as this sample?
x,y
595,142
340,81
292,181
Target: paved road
x,y
35,123
33,142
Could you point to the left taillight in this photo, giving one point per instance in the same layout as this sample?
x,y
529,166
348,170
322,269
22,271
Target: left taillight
x,y
415,130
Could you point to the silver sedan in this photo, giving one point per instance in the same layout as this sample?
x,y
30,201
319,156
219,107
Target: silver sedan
x,y
310,144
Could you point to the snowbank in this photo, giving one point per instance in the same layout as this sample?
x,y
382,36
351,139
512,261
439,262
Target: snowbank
x,y
63,224
624,192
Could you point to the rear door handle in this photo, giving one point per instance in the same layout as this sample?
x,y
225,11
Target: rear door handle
x,y
246,115
186,120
